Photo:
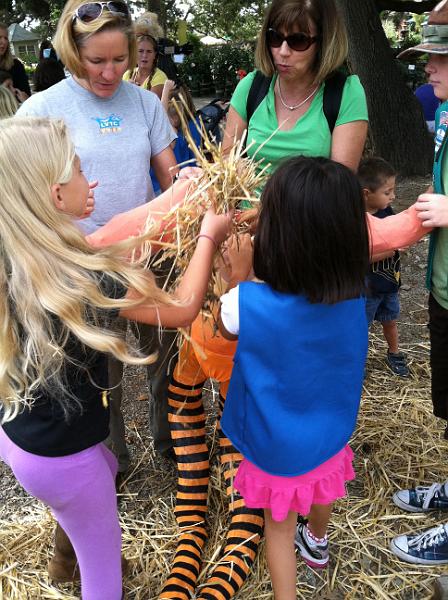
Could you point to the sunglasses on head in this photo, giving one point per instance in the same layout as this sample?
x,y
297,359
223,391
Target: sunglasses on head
x,y
90,11
296,41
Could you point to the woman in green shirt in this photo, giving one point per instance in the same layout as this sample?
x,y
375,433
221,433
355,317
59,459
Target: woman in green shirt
x,y
301,45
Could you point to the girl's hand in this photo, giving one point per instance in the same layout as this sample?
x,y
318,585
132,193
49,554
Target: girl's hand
x,y
249,216
216,226
432,209
239,256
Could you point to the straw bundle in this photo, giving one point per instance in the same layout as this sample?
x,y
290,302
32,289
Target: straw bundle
x,y
398,443
225,182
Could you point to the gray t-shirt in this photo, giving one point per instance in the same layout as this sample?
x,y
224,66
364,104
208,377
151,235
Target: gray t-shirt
x,y
114,138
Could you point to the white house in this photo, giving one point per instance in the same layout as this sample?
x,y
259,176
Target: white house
x,y
23,43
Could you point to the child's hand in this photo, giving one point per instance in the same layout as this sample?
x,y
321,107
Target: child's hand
x,y
168,88
217,227
90,205
432,209
239,256
249,216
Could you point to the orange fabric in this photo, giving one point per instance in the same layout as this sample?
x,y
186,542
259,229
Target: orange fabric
x,y
396,231
210,355
131,223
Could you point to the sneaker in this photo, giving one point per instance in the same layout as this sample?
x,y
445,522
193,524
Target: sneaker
x,y
423,498
427,548
396,361
314,553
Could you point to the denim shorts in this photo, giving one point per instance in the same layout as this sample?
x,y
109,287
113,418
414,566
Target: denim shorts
x,y
382,307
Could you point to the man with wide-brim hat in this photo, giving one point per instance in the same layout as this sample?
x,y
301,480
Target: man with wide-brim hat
x,y
431,547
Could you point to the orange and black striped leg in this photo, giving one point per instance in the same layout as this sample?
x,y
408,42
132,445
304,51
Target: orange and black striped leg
x,y
187,424
244,534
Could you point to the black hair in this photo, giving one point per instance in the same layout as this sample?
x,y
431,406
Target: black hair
x,y
312,234
4,76
47,73
373,172
47,45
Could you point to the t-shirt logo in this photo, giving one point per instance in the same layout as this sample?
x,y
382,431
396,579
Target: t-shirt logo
x,y
110,124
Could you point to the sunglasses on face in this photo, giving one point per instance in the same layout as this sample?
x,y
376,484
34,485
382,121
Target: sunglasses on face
x,y
296,41
90,11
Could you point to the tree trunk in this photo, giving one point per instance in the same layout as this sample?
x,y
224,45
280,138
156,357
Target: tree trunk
x,y
397,128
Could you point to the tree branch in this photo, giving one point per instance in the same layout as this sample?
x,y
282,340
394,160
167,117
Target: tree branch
x,y
406,5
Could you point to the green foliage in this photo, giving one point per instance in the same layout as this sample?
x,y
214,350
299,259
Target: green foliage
x,y
232,20
212,68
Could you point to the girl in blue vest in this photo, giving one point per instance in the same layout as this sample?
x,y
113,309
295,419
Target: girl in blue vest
x,y
296,384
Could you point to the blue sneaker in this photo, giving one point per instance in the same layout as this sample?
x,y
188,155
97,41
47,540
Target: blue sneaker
x,y
423,498
427,548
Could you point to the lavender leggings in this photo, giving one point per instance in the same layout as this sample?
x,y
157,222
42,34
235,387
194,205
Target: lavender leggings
x,y
80,490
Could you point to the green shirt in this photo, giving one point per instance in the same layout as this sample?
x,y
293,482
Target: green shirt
x,y
310,136
439,276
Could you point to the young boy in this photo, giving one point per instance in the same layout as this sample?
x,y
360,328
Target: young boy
x,y
377,178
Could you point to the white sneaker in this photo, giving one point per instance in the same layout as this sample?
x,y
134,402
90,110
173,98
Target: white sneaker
x,y
314,553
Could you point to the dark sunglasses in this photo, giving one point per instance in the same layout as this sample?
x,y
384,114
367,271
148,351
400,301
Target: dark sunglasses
x,y
90,11
296,41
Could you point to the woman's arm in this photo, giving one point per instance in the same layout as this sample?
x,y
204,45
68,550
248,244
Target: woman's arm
x,y
347,143
165,167
394,232
193,285
235,127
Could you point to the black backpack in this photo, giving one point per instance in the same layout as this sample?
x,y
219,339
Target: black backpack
x,y
211,116
334,86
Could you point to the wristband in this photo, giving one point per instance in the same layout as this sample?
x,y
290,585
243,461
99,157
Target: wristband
x,y
209,237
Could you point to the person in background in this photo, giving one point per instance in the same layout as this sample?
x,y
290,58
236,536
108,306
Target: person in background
x,y
377,179
8,103
146,74
7,82
49,71
429,103
13,65
171,100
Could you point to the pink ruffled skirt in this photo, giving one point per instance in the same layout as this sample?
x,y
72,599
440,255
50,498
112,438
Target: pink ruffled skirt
x,y
322,485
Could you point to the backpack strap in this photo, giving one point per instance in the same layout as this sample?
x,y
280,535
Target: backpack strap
x,y
334,87
258,90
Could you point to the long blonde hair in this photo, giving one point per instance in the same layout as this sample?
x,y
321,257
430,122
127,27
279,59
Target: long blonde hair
x,y
7,60
71,35
8,103
50,285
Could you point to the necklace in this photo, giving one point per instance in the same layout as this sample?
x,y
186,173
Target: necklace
x,y
295,105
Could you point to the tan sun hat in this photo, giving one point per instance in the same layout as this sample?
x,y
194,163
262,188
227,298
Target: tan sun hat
x,y
434,33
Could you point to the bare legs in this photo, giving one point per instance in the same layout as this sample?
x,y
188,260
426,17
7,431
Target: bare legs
x,y
280,553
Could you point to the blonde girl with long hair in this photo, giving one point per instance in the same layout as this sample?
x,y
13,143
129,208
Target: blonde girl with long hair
x,y
58,296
